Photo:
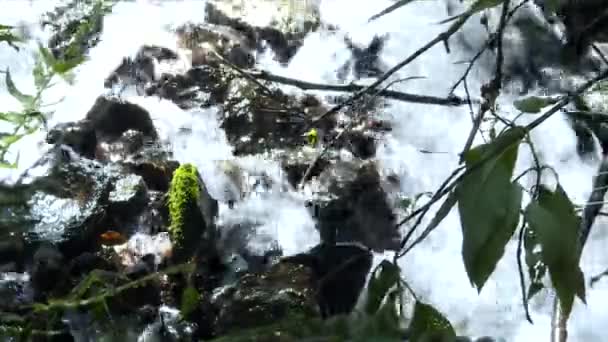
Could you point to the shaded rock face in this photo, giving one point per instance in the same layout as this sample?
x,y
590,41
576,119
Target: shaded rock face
x,y
112,117
257,300
15,291
140,70
356,209
365,61
255,123
101,175
284,44
80,136
48,271
583,24
340,274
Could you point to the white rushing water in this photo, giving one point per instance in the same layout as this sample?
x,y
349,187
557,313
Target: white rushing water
x,y
434,269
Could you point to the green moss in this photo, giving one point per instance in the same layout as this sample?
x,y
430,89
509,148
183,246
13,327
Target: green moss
x,y
184,190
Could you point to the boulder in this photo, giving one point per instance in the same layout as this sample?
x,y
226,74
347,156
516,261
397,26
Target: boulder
x,y
111,117
260,299
352,206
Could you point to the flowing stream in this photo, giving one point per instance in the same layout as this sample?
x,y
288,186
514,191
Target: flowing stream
x,y
434,269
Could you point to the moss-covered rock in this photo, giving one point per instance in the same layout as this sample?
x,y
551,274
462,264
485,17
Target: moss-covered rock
x,y
191,211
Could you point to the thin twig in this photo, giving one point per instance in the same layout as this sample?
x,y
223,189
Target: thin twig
x,y
352,87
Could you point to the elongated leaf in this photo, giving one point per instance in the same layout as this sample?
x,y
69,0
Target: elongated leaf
x,y
7,140
428,324
478,6
553,219
8,165
47,55
384,277
27,101
533,104
10,39
12,117
390,9
488,203
382,325
39,73
441,214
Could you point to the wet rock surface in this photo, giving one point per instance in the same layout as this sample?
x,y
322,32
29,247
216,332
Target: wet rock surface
x,y
254,300
353,207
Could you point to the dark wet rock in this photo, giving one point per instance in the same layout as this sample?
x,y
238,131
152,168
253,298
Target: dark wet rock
x,y
129,143
255,123
242,256
257,300
111,117
230,44
203,86
365,61
49,272
154,165
142,268
12,250
156,216
140,70
76,199
354,208
77,27
282,40
296,163
128,196
87,262
15,291
360,144
67,207
584,23
340,274
80,136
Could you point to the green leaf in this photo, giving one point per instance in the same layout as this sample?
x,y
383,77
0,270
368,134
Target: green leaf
x,y
488,204
47,57
10,39
383,325
39,73
12,117
554,220
190,300
533,104
7,140
384,277
390,9
478,6
7,165
428,324
28,101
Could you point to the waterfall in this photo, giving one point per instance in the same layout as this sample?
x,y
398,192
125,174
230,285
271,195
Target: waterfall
x,y
434,269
